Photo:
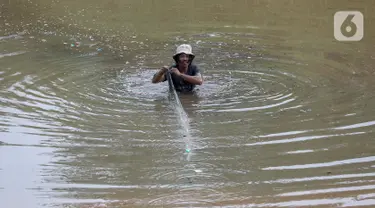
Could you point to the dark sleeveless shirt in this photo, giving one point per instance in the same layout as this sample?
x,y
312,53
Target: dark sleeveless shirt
x,y
179,84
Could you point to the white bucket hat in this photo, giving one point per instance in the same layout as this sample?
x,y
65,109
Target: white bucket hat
x,y
184,48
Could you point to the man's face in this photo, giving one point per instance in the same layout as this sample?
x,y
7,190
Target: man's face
x,y
184,59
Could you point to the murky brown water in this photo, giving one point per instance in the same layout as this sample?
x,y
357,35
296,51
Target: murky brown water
x,y
285,117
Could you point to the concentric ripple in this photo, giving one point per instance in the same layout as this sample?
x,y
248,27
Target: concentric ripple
x,y
253,91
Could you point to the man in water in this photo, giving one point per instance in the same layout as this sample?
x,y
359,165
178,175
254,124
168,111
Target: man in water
x,y
185,75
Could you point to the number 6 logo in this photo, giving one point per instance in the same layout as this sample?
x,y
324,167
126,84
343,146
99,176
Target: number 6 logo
x,y
348,26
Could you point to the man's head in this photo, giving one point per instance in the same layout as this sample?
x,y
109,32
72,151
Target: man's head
x,y
184,54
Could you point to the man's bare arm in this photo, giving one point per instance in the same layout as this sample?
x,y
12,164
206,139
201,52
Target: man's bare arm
x,y
160,75
197,79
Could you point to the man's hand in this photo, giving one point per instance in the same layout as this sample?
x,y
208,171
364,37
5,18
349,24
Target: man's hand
x,y
164,69
175,71
160,75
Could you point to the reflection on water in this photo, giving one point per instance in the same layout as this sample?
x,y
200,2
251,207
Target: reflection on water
x,y
285,116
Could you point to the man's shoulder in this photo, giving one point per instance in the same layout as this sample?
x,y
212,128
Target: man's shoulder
x,y
194,68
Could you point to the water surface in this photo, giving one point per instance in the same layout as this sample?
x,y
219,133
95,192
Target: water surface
x,y
285,117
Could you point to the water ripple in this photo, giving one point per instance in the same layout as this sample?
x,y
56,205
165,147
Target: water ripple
x,y
326,164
